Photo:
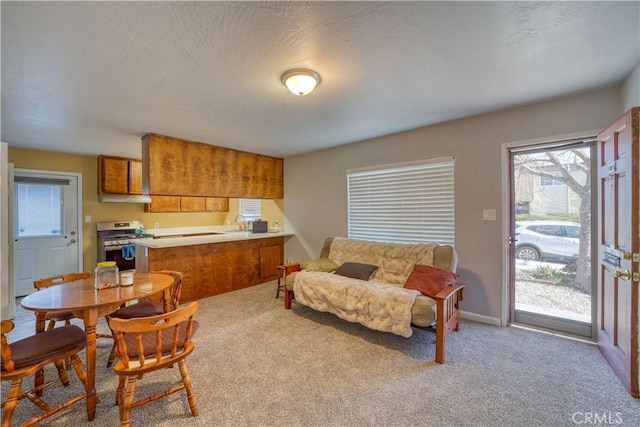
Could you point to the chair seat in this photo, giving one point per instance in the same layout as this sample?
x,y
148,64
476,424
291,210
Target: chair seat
x,y
59,316
43,346
141,309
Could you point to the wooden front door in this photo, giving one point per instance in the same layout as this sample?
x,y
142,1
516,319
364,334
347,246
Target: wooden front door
x,y
618,247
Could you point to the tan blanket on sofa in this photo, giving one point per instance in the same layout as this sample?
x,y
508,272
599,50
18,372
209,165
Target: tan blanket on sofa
x,y
373,304
395,261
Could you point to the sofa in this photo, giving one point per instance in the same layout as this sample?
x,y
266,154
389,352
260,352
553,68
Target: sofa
x,y
390,287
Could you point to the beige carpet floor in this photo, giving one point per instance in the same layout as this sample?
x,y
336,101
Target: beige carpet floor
x,y
257,364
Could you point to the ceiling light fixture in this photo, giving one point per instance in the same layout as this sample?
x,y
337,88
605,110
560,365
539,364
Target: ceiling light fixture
x,y
300,81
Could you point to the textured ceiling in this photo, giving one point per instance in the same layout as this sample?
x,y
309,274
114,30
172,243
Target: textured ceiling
x,y
93,77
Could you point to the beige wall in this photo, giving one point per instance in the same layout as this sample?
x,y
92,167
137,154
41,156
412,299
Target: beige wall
x,y
88,166
316,196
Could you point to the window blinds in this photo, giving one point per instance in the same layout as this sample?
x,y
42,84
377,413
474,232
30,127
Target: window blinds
x,y
251,208
409,203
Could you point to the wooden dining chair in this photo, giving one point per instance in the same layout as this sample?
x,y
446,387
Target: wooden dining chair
x,y
148,307
64,316
146,344
29,355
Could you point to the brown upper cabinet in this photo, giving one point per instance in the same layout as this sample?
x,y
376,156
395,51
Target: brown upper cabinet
x,y
119,175
187,204
177,167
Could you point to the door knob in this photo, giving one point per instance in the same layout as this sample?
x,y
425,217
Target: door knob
x,y
625,255
622,274
72,241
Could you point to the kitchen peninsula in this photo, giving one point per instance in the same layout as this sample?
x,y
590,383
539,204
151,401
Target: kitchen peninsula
x,y
214,261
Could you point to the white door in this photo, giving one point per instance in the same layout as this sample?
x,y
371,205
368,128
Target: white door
x,y
47,235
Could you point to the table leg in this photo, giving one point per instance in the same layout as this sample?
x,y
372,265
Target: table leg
x,y
40,322
166,300
90,321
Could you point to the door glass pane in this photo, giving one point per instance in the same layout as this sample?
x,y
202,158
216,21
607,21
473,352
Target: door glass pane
x,y
552,237
39,210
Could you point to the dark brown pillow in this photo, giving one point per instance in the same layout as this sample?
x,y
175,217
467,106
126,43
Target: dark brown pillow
x,y
430,280
356,270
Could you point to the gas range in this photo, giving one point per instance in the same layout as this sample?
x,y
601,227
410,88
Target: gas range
x,y
123,239
114,239
121,232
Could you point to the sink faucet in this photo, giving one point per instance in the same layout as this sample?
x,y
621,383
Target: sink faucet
x,y
241,221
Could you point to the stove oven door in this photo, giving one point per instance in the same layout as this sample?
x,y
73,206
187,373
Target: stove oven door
x,y
114,253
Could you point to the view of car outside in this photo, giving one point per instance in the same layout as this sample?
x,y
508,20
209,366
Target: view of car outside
x,y
547,240
552,233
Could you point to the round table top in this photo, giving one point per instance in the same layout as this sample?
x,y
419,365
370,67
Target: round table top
x,y
81,294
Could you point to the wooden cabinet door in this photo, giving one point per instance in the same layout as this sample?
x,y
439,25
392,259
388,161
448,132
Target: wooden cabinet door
x,y
119,175
217,204
113,175
192,204
163,204
135,177
187,204
270,259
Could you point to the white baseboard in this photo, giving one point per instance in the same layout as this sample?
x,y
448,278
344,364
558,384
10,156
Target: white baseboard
x,y
480,318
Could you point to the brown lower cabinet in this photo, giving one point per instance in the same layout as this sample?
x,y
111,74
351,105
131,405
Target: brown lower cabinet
x,y
216,268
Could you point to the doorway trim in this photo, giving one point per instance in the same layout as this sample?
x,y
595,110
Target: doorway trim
x,y
505,226
80,238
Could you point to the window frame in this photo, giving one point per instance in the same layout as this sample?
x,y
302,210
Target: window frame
x,y
59,215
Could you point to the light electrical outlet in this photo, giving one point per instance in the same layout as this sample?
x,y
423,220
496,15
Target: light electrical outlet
x,y
156,225
489,215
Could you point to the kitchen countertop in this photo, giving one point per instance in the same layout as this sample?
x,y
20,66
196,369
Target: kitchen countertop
x,y
186,236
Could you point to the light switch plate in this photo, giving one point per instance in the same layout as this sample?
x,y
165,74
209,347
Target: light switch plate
x,y
87,218
489,215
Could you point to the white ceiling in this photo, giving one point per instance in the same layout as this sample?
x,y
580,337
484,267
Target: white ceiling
x,y
93,77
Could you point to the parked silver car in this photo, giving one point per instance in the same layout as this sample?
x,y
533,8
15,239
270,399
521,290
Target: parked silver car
x,y
546,240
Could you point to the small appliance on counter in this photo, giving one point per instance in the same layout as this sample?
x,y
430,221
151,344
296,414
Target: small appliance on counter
x,y
259,226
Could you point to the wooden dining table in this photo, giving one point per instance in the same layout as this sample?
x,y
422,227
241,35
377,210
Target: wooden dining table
x,y
90,304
